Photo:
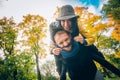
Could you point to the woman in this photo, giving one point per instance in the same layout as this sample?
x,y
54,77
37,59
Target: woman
x,y
68,21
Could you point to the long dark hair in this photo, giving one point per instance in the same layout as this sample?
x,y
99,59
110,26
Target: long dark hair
x,y
75,29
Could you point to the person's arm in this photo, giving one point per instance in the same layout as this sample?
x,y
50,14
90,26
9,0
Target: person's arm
x,y
95,51
88,38
106,64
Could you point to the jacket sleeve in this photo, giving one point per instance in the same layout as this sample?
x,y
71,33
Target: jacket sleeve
x,y
106,64
88,37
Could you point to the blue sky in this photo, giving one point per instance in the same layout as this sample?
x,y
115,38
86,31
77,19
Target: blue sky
x,y
87,3
95,3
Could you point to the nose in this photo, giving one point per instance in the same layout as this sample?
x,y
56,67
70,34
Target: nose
x,y
66,44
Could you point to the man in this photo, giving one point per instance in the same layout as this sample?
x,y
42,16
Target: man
x,y
77,59
67,20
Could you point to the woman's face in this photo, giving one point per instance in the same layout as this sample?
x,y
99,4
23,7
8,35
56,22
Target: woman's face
x,y
66,24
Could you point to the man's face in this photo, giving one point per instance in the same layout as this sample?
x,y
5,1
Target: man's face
x,y
66,24
63,41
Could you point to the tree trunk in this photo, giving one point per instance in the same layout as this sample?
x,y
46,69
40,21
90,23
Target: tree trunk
x,y
38,70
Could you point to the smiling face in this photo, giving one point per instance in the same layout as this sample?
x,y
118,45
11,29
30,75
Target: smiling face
x,y
66,24
63,40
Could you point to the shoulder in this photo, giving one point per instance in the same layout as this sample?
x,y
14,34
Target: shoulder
x,y
54,24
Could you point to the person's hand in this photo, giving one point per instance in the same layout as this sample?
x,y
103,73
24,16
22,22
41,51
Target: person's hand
x,y
56,51
79,39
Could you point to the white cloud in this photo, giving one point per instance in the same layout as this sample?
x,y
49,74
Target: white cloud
x,y
18,8
95,11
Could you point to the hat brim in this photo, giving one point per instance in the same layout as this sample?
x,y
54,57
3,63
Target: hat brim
x,y
67,17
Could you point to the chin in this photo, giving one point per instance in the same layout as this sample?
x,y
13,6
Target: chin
x,y
67,29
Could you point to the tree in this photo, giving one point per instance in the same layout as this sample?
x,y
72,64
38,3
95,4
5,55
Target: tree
x,y
14,65
34,29
18,67
49,70
95,26
112,11
112,8
8,35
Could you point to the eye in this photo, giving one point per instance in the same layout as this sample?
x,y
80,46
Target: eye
x,y
61,43
66,39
